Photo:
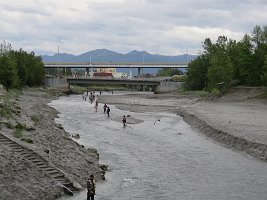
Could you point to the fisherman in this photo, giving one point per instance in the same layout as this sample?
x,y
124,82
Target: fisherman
x,y
96,103
91,188
91,97
108,111
124,120
105,108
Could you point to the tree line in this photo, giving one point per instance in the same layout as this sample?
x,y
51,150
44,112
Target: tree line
x,y
229,62
19,68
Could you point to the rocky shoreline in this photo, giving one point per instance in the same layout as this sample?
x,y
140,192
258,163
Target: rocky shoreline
x,y
30,126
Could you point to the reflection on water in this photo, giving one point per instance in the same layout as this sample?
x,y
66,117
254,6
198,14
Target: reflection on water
x,y
161,158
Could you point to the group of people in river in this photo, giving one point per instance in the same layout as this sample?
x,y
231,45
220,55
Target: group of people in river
x,y
94,98
91,186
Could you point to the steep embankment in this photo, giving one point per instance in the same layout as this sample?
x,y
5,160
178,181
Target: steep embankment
x,y
41,159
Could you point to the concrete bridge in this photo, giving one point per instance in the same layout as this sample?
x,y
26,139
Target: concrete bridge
x,y
130,66
155,85
116,65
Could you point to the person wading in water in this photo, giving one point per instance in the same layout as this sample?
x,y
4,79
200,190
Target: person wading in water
x,y
108,111
96,103
105,108
124,121
91,188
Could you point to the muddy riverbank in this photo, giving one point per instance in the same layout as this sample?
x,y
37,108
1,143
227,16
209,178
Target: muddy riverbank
x,y
236,120
29,121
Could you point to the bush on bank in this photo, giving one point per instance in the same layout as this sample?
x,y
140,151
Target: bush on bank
x,y
19,68
227,62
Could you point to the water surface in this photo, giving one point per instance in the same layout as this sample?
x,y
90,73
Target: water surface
x,y
161,158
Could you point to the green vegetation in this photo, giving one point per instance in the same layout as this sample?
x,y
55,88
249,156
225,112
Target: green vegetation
x,y
35,118
178,78
18,133
19,68
169,72
5,110
9,125
228,62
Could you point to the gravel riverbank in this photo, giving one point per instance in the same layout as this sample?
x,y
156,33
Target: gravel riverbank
x,y
236,120
32,126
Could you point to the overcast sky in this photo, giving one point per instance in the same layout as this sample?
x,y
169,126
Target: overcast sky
x,y
167,27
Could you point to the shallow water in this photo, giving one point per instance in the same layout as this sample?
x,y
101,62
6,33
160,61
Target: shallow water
x,y
161,158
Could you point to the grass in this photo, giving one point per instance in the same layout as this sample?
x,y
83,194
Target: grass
x,y
35,118
18,133
8,101
200,93
5,111
9,125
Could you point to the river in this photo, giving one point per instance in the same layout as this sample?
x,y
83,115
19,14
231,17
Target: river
x,y
161,158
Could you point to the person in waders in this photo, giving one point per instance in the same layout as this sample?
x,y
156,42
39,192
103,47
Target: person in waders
x,y
96,103
124,121
91,188
105,108
108,111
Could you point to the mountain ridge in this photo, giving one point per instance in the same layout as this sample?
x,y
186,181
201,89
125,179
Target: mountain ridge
x,y
105,55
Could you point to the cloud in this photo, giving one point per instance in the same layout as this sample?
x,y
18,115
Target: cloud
x,y
157,26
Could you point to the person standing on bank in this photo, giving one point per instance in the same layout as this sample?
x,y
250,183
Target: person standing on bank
x,y
91,188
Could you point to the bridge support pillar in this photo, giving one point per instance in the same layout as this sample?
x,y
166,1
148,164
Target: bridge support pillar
x,y
87,71
139,71
131,73
92,71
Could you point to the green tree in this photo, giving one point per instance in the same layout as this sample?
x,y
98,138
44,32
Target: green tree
x,y
197,78
5,48
246,65
8,72
220,70
36,70
265,71
19,68
259,38
21,59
